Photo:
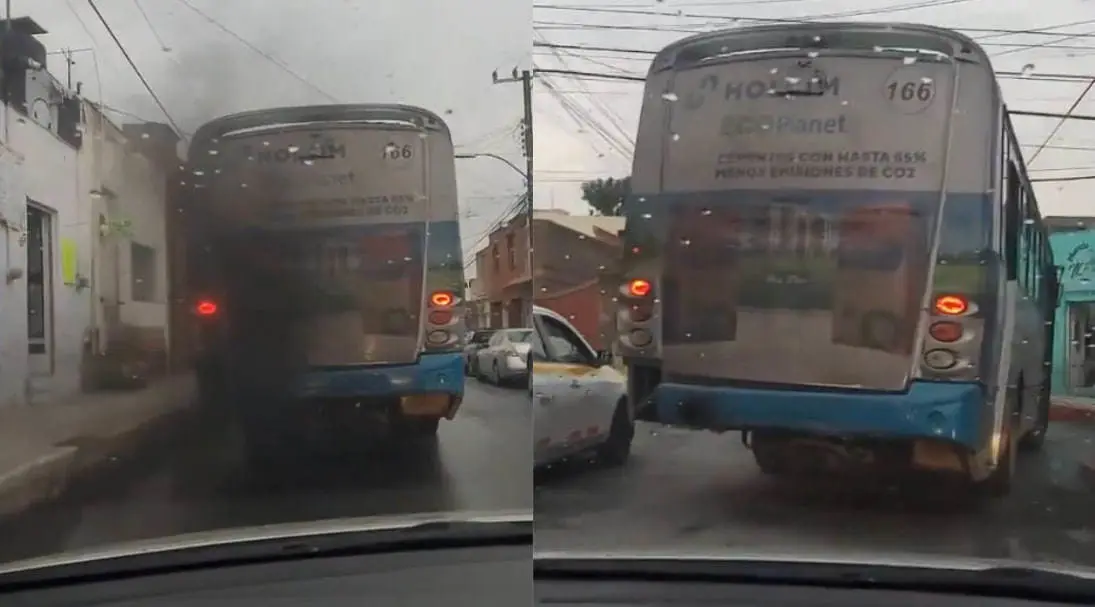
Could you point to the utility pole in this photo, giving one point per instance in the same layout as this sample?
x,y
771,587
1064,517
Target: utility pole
x,y
69,62
525,78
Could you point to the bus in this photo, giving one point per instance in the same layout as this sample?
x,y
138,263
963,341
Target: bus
x,y
325,273
907,324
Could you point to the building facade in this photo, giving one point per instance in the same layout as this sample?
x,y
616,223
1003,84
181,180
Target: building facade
x,y
1073,243
82,214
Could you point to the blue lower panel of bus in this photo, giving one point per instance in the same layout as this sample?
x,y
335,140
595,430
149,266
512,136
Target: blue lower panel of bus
x,y
950,411
432,373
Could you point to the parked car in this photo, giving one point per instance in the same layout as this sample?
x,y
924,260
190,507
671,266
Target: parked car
x,y
579,400
477,340
505,358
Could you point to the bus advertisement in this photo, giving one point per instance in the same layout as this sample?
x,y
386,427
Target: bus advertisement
x,y
880,318
328,265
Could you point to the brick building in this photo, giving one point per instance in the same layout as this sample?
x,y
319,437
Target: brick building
x,y
574,254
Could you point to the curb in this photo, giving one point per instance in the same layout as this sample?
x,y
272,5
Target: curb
x,y
49,477
1065,411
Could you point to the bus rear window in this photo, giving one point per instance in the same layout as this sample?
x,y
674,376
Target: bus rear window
x,y
883,257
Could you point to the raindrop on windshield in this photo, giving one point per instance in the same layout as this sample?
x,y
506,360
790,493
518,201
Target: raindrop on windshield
x,y
293,149
909,60
670,96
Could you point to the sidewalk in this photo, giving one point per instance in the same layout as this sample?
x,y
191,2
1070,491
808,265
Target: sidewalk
x,y
1072,409
43,447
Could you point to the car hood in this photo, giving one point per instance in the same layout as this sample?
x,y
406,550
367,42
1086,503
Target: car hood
x,y
833,557
264,532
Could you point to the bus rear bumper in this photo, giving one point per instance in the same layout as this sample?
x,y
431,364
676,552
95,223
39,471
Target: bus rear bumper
x,y
432,387
946,411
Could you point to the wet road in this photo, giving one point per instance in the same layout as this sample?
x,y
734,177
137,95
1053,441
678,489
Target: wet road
x,y
194,480
696,489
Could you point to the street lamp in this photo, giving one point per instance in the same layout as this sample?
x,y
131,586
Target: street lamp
x,y
528,213
496,157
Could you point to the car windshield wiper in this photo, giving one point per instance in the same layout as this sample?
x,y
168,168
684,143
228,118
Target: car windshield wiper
x,y
322,544
1001,581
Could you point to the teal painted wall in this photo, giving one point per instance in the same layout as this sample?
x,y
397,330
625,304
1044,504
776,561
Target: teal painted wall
x,y
1074,252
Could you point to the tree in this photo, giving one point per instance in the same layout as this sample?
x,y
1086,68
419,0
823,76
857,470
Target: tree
x,y
606,196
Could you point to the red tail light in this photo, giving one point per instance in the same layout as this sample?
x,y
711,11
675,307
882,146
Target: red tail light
x,y
945,332
639,287
442,299
440,317
206,308
951,305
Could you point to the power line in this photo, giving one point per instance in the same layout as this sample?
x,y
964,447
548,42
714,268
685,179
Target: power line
x,y
592,75
806,20
135,69
1081,117
698,28
1061,121
1048,76
148,22
1060,179
265,55
1015,75
621,140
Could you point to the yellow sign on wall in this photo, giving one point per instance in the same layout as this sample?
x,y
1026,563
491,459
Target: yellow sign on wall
x,y
68,261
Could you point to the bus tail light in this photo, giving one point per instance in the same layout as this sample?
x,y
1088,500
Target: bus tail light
x,y
206,308
441,299
639,287
641,338
640,312
940,359
951,305
440,317
945,331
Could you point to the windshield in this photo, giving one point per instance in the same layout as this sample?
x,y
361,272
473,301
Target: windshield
x,y
799,286
244,257
811,250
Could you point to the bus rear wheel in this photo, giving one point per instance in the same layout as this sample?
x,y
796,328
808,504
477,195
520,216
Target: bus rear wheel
x,y
1036,438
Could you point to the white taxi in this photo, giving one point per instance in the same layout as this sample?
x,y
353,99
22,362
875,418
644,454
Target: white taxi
x,y
579,401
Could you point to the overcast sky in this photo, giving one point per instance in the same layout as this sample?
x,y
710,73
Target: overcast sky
x,y
438,54
598,143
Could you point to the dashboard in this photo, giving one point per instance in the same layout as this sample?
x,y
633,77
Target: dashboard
x,y
690,594
452,577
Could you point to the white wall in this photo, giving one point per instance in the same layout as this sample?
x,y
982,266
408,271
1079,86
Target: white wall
x,y
51,177
13,297
37,164
140,189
